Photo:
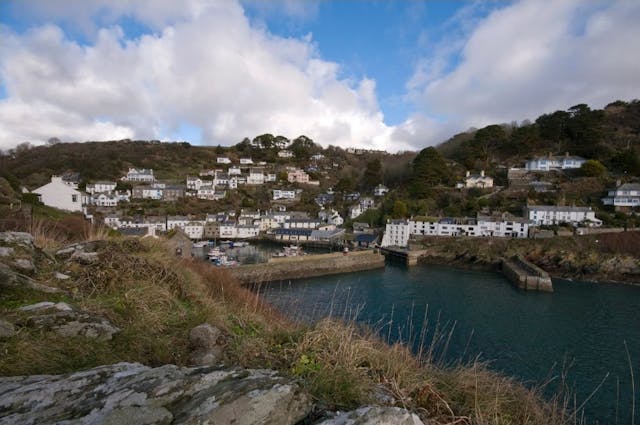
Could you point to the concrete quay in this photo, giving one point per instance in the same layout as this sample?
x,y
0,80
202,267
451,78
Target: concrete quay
x,y
526,275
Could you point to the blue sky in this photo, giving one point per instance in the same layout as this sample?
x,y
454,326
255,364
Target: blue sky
x,y
391,75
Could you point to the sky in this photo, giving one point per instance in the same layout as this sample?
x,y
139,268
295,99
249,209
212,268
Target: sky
x,y
392,75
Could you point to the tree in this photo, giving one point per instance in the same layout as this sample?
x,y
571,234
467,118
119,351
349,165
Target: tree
x,y
372,174
593,168
429,170
400,209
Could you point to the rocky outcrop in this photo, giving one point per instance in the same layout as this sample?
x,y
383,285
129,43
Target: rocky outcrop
x,y
374,415
207,345
6,329
66,321
133,393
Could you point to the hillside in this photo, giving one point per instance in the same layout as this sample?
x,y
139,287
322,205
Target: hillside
x,y
610,135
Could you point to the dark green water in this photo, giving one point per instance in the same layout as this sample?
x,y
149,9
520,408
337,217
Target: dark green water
x,y
581,328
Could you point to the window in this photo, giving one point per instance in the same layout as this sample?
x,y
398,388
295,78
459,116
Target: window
x,y
74,198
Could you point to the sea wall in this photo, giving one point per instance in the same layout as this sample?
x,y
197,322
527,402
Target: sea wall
x,y
526,275
307,266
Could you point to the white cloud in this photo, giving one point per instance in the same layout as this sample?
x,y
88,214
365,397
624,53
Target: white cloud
x,y
534,57
203,65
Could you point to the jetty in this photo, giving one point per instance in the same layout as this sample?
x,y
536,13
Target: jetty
x,y
298,267
526,275
407,256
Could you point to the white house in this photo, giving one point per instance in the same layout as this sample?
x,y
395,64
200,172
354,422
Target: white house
x,y
477,180
284,153
549,163
335,219
270,178
235,171
545,215
246,161
284,194
194,229
206,192
177,221
194,183
60,195
112,221
101,187
104,200
380,190
624,197
220,178
228,229
233,183
223,160
397,232
247,231
141,175
256,176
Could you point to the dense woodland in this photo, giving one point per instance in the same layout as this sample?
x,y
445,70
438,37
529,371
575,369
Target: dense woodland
x,y
422,183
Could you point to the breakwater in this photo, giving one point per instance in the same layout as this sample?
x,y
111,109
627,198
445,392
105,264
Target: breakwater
x,y
526,275
307,266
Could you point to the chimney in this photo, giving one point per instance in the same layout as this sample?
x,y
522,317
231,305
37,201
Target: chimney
x,y
468,173
482,173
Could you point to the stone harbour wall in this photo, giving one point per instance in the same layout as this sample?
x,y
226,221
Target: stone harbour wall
x,y
308,266
526,275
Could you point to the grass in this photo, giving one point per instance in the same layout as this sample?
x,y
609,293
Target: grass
x,y
156,299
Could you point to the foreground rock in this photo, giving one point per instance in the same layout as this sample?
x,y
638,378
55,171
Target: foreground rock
x,y
374,415
207,345
133,393
66,321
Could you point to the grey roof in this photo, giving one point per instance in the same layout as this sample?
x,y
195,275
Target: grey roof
x,y
293,232
629,186
557,208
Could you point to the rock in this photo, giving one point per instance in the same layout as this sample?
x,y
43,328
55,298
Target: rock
x,y
66,321
6,251
17,238
85,257
46,305
207,344
61,276
374,415
24,265
12,279
133,393
7,329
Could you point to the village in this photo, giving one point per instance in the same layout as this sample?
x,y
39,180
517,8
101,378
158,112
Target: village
x,y
285,183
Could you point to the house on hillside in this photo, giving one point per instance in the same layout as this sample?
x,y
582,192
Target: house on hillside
x,y
246,161
380,190
223,160
141,175
100,187
624,197
296,175
256,176
546,215
60,195
284,153
180,245
550,163
476,181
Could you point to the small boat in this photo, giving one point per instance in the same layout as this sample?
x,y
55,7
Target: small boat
x,y
224,261
290,251
240,244
227,242
215,253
